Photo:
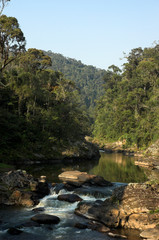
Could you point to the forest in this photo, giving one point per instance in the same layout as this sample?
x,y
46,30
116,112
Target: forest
x,y
88,79
129,108
40,109
48,101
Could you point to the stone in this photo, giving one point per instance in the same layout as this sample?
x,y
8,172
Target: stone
x,y
69,198
28,224
96,226
14,231
19,188
22,198
151,233
116,235
17,178
133,206
39,209
73,176
81,225
58,187
45,219
77,178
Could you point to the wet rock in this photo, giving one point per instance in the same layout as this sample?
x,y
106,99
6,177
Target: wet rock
x,y
39,209
96,226
152,233
58,187
117,236
81,225
14,231
28,224
133,206
42,189
45,219
99,181
69,198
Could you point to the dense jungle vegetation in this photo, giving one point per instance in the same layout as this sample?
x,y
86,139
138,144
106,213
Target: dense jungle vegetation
x,y
129,109
40,109
47,101
88,79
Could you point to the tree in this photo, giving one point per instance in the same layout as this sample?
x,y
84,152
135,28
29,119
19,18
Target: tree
x,y
12,40
34,59
2,5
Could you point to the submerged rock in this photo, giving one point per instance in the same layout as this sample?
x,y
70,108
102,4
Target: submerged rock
x,y
133,206
14,231
94,226
45,219
114,235
69,198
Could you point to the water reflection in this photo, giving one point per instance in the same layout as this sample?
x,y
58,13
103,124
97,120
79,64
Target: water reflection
x,y
116,167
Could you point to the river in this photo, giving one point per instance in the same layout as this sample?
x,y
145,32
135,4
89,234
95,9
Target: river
x,y
117,168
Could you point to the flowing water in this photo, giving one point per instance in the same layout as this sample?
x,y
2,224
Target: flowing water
x,y
113,167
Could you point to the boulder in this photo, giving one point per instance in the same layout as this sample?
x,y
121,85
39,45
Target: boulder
x,y
77,179
17,179
45,219
39,209
14,231
151,233
96,226
28,224
133,206
69,198
21,198
19,188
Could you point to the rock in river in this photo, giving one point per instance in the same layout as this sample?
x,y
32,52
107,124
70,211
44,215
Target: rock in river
x,y
133,206
78,178
69,198
45,219
19,188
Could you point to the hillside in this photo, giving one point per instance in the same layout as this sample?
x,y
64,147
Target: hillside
x,y
88,79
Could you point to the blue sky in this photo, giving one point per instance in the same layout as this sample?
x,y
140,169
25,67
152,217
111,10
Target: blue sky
x,y
97,32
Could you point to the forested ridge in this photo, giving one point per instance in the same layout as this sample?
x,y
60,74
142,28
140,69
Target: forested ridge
x,y
129,109
47,101
87,78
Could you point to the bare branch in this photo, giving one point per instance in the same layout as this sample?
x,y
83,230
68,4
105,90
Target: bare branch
x,y
2,5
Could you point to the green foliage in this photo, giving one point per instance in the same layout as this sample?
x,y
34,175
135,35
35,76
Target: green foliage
x,y
12,40
88,79
129,108
40,110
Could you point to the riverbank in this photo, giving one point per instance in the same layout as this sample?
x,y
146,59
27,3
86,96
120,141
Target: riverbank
x,y
75,151
148,157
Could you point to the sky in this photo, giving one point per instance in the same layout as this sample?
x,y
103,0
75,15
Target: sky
x,y
97,32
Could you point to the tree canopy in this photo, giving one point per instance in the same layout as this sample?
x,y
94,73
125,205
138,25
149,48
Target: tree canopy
x,y
12,40
130,106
